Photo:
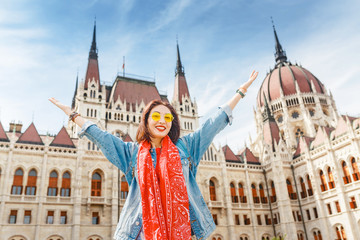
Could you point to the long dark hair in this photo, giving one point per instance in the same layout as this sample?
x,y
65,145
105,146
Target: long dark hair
x,y
143,130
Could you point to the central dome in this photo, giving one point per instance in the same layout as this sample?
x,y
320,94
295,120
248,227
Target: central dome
x,y
284,78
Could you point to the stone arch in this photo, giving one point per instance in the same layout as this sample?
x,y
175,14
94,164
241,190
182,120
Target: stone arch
x,y
17,237
55,237
94,237
217,236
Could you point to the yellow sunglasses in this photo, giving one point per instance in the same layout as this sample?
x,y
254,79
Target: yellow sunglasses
x,y
168,117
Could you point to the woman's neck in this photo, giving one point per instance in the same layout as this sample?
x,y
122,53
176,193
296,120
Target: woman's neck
x,y
156,142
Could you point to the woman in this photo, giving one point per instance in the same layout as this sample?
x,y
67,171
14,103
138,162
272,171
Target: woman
x,y
164,200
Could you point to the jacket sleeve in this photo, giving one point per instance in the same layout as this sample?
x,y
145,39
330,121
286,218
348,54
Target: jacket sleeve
x,y
115,150
198,141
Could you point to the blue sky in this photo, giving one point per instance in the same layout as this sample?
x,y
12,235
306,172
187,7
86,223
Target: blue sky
x,y
44,44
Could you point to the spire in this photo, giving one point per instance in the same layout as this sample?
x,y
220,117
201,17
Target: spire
x,y
267,115
93,49
280,55
179,68
271,130
75,92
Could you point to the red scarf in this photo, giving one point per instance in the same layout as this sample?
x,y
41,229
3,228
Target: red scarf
x,y
164,199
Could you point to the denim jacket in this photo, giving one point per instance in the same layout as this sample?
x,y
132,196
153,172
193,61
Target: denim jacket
x,y
191,148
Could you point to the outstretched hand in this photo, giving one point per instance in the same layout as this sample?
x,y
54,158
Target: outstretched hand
x,y
252,78
65,108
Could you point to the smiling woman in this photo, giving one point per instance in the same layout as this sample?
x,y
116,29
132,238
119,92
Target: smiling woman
x,y
164,200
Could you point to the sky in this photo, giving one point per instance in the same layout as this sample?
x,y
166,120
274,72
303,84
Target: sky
x,y
44,46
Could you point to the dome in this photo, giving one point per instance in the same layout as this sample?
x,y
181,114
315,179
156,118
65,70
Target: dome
x,y
284,77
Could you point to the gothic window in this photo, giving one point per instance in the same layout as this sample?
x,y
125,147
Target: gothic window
x,y
310,190
340,233
63,217
346,178
254,194
96,184
303,188
262,194
356,174
273,192
124,188
212,191
109,115
134,120
87,112
299,132
323,185
234,198
95,218
118,107
65,185
242,194
95,113
50,217
27,217
353,204
331,179
291,192
295,115
13,216
16,188
127,118
311,112
280,119
31,183
53,180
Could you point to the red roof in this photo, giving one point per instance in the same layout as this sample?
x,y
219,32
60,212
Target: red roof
x,y
271,132
229,155
30,135
92,72
134,91
62,139
180,88
303,145
127,138
247,155
3,136
284,77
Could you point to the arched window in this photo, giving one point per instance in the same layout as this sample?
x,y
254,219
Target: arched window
x,y
241,193
291,192
347,178
303,188
310,190
273,192
96,184
124,188
254,194
262,194
234,198
65,185
356,174
323,185
212,191
16,188
53,180
340,233
331,179
31,183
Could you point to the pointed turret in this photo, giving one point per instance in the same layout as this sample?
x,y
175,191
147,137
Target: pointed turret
x,y
180,88
92,72
280,54
75,92
270,128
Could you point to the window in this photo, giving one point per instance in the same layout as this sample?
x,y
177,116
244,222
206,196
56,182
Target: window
x,y
317,235
262,194
310,190
353,204
63,217
291,192
303,188
295,115
237,219
16,188
338,209
356,174
50,217
241,193
215,219
13,216
254,194
96,184
95,218
65,185
234,198
280,119
124,188
315,212
27,217
323,185
329,208
212,191
267,220
340,233
31,183
331,179
273,193
346,178
246,220
308,214
258,219
53,179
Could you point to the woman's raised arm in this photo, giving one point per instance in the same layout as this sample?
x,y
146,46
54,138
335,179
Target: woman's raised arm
x,y
67,110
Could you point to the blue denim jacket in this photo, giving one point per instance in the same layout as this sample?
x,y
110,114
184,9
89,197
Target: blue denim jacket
x,y
191,148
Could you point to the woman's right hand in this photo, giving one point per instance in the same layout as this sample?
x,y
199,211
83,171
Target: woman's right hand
x,y
67,110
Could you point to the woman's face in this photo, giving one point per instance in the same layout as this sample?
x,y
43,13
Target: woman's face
x,y
159,127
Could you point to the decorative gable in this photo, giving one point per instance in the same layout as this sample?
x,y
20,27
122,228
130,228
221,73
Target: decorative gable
x,y
62,139
30,136
3,136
